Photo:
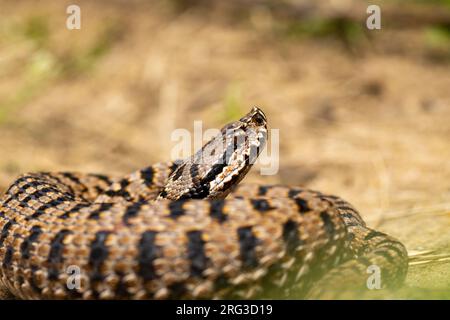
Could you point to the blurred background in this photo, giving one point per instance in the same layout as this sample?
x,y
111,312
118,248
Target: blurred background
x,y
364,114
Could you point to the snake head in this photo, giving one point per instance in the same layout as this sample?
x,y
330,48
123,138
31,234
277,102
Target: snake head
x,y
221,163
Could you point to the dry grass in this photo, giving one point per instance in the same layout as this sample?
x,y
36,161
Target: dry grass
x,y
370,123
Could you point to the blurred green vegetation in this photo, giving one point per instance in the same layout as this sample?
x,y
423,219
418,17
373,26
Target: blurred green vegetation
x,y
437,40
438,36
44,65
345,30
233,105
431,2
37,72
78,62
36,29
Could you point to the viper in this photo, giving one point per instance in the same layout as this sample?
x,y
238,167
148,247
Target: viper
x,y
188,229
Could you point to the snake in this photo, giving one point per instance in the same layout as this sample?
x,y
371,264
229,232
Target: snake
x,y
188,229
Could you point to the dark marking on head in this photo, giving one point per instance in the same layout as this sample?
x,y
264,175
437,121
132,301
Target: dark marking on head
x,y
348,215
196,253
193,171
197,192
242,137
216,210
202,190
163,194
291,236
178,172
353,224
247,244
173,166
261,205
228,185
27,243
148,252
55,256
344,206
373,234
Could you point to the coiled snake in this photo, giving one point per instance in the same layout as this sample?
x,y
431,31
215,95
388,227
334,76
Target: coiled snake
x,y
167,231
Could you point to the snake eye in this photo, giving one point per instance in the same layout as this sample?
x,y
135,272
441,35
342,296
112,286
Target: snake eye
x,y
258,119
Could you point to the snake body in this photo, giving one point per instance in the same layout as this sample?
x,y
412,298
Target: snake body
x,y
187,229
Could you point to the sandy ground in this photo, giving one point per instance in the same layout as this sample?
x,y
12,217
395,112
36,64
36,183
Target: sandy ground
x,y
369,122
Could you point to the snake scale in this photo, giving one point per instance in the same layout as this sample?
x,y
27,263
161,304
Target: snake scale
x,y
187,229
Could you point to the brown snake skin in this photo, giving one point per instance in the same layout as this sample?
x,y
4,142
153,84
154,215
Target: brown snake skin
x,y
167,232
